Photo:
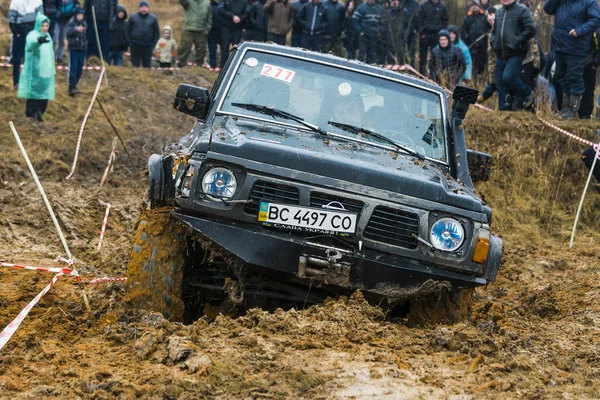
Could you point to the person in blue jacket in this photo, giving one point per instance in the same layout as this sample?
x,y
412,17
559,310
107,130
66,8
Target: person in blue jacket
x,y
313,18
575,21
332,37
77,36
455,39
368,23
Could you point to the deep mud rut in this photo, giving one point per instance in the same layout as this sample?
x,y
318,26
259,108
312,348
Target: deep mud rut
x,y
533,334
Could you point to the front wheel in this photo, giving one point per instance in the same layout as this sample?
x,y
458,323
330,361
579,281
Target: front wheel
x,y
156,264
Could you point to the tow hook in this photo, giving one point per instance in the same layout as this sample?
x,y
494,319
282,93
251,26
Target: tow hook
x,y
329,268
333,256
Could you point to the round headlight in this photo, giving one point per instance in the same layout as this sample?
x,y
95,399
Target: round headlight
x,y
219,183
447,234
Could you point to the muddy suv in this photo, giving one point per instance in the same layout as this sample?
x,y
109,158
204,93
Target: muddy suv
x,y
307,175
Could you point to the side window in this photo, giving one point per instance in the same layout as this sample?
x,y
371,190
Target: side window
x,y
219,82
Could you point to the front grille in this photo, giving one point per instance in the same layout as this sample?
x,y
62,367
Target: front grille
x,y
272,192
393,226
320,199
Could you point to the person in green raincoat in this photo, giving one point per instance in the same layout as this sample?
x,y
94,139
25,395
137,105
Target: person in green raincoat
x,y
36,83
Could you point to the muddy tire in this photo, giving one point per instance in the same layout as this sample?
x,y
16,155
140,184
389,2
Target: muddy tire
x,y
156,264
446,307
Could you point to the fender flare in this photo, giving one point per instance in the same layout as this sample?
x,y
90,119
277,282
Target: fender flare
x,y
162,189
494,258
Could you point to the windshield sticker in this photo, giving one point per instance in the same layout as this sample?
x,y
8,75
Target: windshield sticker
x,y
252,62
344,89
282,74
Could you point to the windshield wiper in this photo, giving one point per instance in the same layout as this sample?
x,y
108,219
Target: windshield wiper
x,y
356,130
274,112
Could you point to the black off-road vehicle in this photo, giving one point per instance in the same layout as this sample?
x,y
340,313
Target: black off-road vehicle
x,y
307,175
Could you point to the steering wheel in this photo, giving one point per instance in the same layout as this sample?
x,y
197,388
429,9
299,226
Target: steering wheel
x,y
392,134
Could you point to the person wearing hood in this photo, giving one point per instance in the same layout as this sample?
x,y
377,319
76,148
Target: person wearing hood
x,y
21,19
474,33
143,32
36,83
77,36
431,17
196,26
455,39
166,49
574,23
447,64
119,38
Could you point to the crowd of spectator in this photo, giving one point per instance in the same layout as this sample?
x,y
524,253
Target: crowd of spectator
x,y
496,45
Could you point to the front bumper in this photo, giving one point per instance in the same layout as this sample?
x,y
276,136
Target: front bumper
x,y
368,270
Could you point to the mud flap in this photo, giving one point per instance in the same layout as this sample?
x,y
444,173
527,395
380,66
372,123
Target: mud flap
x,y
156,264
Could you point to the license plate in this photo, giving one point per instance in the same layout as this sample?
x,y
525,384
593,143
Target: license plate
x,y
308,219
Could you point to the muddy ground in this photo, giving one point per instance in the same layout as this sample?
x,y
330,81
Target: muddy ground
x,y
532,334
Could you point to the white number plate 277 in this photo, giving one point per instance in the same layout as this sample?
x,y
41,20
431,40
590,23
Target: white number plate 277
x,y
318,220
273,71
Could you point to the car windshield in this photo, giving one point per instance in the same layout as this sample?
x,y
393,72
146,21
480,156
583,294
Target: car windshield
x,y
320,94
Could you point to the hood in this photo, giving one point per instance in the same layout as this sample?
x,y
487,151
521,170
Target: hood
x,y
39,20
168,28
121,8
454,29
445,33
339,159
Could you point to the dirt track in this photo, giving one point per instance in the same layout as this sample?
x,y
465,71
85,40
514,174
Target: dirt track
x,y
533,334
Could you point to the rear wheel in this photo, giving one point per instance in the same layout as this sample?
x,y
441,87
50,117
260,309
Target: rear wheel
x,y
156,264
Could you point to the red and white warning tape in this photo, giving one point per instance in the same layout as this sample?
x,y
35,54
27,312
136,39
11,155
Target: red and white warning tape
x,y
65,271
61,67
87,114
11,328
104,226
104,280
99,68
69,262
111,158
566,133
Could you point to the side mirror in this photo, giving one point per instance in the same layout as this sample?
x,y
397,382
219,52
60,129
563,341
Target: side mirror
x,y
192,100
480,165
